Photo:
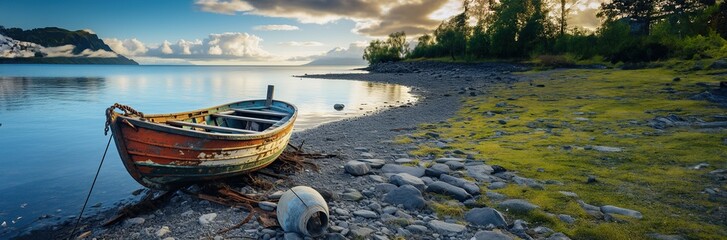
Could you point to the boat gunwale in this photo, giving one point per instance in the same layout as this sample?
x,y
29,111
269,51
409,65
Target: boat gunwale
x,y
163,127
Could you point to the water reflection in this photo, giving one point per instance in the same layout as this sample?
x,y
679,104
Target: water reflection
x,y
19,92
52,122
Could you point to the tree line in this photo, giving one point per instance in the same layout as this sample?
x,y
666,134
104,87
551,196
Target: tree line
x,y
630,31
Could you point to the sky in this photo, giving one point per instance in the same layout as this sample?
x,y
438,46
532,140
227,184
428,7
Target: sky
x,y
243,31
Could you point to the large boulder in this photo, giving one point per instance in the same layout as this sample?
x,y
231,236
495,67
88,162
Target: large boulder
x,y
357,168
485,216
445,227
467,185
436,170
621,211
449,190
406,195
401,179
394,169
517,205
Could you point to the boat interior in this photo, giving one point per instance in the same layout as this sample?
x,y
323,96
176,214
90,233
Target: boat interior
x,y
227,120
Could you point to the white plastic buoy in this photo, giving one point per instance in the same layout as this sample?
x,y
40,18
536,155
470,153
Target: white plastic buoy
x,y
302,209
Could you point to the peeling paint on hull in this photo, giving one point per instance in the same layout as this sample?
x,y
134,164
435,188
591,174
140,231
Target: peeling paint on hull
x,y
160,156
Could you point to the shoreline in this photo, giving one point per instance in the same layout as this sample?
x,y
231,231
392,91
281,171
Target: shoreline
x,y
439,98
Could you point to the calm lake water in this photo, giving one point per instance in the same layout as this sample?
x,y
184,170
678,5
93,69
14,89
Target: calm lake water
x,y
52,119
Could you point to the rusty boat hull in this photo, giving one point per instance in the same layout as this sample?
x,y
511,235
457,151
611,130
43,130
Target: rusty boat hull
x,y
166,151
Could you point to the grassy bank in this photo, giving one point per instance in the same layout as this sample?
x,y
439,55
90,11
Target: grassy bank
x,y
546,129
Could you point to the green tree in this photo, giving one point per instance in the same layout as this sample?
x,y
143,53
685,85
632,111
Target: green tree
x,y
452,34
395,48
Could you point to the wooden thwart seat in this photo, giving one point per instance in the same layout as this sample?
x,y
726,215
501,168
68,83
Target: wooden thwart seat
x,y
267,113
209,127
249,119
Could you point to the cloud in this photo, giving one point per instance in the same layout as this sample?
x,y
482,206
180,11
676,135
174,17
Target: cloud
x,y
412,18
89,31
372,17
302,44
230,45
223,6
276,28
128,47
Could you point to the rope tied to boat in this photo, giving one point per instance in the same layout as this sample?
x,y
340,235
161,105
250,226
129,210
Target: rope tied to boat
x,y
128,111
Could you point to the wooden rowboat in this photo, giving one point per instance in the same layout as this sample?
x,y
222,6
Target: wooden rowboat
x,y
164,151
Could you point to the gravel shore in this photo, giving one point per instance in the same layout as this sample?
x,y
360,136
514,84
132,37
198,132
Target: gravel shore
x,y
361,206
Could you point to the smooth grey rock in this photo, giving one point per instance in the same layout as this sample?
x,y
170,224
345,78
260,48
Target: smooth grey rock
x,y
342,212
360,232
445,227
558,236
436,170
373,162
207,218
444,160
375,206
162,231
394,169
390,210
529,182
467,185
357,168
479,172
267,206
338,106
367,155
276,195
379,237
417,229
365,213
401,179
569,194
490,235
404,160
351,195
566,218
384,187
621,211
607,149
449,190
657,236
542,230
361,149
407,195
517,205
135,221
377,178
427,180
495,195
497,185
454,165
292,236
485,216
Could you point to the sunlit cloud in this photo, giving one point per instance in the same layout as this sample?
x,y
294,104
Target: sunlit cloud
x,y
230,45
372,17
276,28
127,47
302,44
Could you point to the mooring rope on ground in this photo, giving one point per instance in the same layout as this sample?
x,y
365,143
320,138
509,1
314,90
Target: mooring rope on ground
x,y
91,190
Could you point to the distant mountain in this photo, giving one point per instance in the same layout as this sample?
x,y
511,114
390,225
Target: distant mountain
x,y
350,56
56,46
